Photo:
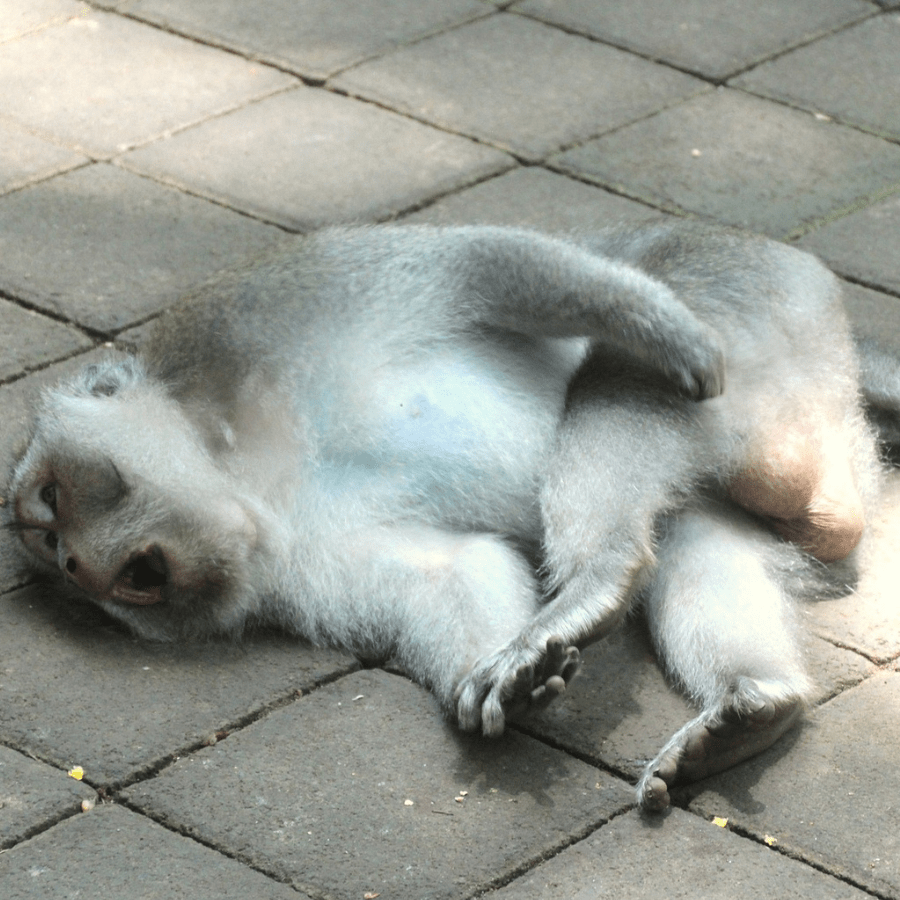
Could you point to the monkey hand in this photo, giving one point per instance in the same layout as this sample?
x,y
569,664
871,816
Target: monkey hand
x,y
698,365
517,680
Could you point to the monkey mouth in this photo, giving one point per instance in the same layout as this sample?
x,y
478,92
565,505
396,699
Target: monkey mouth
x,y
143,578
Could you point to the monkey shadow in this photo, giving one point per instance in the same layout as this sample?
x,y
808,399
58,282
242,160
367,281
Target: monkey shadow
x,y
50,606
511,767
49,614
619,691
737,790
620,709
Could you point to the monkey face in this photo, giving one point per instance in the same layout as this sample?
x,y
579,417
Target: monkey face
x,y
117,493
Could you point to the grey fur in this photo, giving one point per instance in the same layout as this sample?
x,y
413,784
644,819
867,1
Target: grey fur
x,y
365,439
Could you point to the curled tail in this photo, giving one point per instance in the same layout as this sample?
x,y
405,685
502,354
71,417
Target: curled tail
x,y
879,371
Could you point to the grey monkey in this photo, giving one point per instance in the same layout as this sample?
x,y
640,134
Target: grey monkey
x,y
364,438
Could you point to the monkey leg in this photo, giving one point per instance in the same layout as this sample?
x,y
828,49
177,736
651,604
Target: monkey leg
x,y
441,603
726,634
622,457
802,481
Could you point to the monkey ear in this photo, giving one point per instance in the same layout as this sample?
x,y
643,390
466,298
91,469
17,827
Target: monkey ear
x,y
109,377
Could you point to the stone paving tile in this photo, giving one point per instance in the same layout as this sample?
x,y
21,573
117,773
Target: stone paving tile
x,y
863,244
376,801
532,197
79,82
832,798
620,711
853,75
146,862
25,158
741,160
308,37
673,856
869,619
77,690
18,17
714,38
33,795
309,157
106,248
874,315
38,340
501,80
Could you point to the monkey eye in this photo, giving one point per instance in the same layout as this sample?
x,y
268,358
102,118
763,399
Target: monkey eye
x,y
142,579
51,540
48,496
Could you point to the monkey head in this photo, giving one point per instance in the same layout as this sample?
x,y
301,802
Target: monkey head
x,y
117,491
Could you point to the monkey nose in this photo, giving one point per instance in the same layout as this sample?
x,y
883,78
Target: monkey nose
x,y
80,574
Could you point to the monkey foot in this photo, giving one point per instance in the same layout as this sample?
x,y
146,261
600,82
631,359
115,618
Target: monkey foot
x,y
514,682
746,723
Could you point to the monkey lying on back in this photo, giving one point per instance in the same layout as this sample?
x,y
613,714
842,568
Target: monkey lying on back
x,y
364,439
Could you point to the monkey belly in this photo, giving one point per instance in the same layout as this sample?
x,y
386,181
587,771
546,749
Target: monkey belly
x,y
803,483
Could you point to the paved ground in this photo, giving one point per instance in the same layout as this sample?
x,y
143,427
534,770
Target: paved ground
x,y
145,143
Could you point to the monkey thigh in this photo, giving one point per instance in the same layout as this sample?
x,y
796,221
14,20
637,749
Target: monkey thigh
x,y
800,477
628,451
435,600
726,632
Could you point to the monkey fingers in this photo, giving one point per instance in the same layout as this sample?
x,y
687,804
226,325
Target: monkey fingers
x,y
746,723
537,690
514,682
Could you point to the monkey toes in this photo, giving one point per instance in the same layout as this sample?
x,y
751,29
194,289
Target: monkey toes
x,y
514,682
745,724
803,483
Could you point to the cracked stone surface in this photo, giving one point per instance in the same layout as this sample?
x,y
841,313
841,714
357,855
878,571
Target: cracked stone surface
x,y
145,144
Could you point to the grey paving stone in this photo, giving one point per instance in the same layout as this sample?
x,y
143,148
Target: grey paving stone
x,y
76,690
33,795
741,160
874,315
853,75
102,83
32,340
386,798
110,853
676,857
503,80
713,37
863,244
106,248
832,799
621,710
532,197
869,619
309,157
309,37
18,17
25,158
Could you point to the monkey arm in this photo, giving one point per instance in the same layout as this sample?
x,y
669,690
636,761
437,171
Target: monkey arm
x,y
536,285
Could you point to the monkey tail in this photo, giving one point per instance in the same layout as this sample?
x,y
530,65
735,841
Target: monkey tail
x,y
879,373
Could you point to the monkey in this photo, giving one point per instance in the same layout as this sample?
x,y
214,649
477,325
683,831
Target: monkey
x,y
371,437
